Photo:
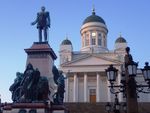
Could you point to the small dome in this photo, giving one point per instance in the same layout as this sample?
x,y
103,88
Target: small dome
x,y
66,42
93,18
120,40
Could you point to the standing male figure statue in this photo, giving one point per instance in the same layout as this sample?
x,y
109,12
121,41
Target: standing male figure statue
x,y
43,22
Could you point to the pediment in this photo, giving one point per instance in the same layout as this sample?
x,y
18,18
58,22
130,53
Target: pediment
x,y
92,60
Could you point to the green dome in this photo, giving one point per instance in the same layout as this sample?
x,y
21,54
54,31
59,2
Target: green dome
x,y
66,42
93,18
120,40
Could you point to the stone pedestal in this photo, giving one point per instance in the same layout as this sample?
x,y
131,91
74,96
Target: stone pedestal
x,y
41,56
33,108
25,108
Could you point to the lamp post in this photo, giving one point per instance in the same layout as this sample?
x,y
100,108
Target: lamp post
x,y
129,86
130,73
108,107
116,107
146,73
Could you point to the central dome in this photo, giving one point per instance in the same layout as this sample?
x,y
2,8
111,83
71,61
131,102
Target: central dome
x,y
93,18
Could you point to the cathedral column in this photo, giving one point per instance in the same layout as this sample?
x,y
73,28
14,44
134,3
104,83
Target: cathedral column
x,y
66,87
75,88
97,87
85,87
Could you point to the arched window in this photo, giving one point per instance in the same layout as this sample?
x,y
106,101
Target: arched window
x,y
99,39
93,38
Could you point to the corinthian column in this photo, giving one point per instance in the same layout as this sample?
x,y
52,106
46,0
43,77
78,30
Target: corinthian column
x,y
85,87
97,87
66,88
75,88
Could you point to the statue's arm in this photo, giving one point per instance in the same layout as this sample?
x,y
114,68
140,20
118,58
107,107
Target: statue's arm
x,y
48,19
65,77
33,23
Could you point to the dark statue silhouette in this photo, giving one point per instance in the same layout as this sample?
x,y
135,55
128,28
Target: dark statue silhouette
x,y
59,79
31,87
43,23
15,87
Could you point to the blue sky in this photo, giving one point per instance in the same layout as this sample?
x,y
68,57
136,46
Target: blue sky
x,y
130,17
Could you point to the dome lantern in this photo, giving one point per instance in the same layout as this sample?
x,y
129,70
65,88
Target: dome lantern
x,y
94,18
66,42
120,39
120,43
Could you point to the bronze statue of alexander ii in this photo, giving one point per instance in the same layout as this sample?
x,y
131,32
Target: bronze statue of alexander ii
x,y
43,23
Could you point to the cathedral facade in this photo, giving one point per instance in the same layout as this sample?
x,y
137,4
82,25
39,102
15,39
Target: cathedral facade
x,y
86,80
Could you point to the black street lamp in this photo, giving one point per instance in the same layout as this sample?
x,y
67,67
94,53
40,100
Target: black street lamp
x,y
146,72
111,73
116,107
128,86
124,107
108,107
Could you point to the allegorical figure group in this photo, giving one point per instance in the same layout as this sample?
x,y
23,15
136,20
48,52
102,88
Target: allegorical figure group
x,y
30,86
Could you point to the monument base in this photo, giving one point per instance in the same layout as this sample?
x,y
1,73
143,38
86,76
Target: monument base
x,y
42,57
33,108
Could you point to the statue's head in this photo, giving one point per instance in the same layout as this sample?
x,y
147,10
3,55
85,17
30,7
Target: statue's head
x,y
19,75
29,66
127,50
43,8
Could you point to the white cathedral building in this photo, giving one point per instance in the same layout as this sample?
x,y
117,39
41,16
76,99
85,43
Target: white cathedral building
x,y
85,69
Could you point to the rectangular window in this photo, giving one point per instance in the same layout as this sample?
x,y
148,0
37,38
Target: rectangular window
x,y
87,40
83,41
99,39
104,41
92,91
93,38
